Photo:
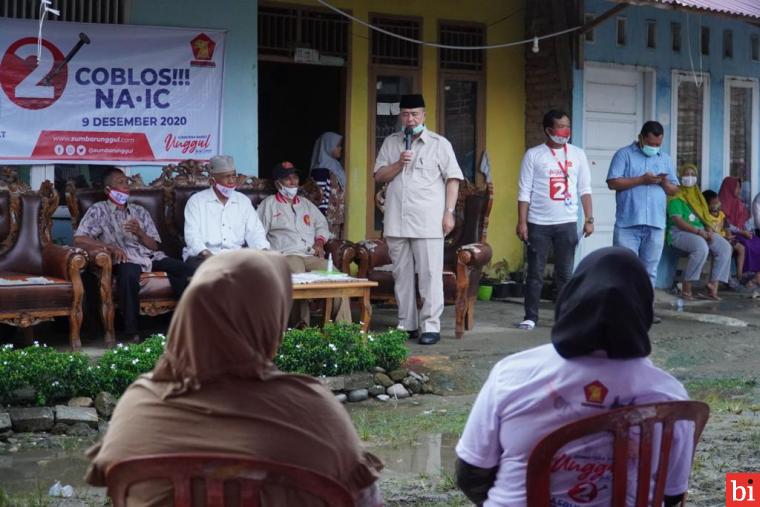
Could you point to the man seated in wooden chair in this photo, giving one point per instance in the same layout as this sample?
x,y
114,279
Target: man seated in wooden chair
x,y
220,218
296,228
129,235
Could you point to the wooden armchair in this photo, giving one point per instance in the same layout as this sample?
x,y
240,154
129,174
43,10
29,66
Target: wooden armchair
x,y
165,199
465,253
156,296
39,280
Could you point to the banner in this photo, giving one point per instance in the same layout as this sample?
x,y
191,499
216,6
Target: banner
x,y
113,94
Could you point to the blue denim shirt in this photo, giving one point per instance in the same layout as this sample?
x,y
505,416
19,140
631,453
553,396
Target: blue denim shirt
x,y
642,204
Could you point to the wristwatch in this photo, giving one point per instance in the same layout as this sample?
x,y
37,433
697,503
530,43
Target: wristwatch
x,y
590,220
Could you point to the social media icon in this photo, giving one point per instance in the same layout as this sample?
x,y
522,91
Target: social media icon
x,y
58,149
70,150
81,150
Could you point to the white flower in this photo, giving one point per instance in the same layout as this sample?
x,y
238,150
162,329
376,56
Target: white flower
x,y
56,383
113,366
332,347
147,350
119,345
298,345
135,361
36,343
370,338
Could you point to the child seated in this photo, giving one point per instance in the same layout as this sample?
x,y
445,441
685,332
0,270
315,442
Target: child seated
x,y
720,224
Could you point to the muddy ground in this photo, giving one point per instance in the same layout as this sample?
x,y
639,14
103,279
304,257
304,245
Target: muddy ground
x,y
713,348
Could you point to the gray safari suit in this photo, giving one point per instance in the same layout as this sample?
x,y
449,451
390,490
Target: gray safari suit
x,y
415,201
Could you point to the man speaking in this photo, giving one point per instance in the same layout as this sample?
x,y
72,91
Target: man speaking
x,y
423,182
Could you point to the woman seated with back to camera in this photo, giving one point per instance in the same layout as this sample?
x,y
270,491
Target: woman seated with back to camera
x,y
600,338
216,390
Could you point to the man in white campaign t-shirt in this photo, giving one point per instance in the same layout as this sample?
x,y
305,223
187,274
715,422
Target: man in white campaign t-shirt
x,y
554,178
596,361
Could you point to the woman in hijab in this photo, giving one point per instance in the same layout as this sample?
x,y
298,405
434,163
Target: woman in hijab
x,y
328,173
687,212
738,216
216,390
597,360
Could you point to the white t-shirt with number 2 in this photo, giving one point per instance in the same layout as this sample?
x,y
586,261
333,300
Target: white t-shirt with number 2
x,y
544,186
532,393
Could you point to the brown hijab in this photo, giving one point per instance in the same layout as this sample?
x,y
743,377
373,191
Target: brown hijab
x,y
217,390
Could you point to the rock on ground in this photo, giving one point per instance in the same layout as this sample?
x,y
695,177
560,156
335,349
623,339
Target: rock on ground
x,y
397,391
376,390
105,403
333,383
74,415
5,421
82,401
358,381
383,397
383,379
398,375
341,397
412,384
31,419
358,395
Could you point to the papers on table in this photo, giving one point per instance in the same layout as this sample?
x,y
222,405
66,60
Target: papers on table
x,y
322,276
32,280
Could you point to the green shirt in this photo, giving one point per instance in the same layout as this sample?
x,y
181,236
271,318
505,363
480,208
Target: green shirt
x,y
679,208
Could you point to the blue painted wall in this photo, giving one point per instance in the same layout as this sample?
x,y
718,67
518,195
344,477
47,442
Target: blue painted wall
x,y
664,60
240,101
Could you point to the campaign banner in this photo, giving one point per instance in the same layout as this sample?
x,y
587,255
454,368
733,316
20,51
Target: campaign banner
x,y
109,94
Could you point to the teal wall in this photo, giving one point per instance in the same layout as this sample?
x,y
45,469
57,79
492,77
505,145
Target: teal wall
x,y
664,60
240,102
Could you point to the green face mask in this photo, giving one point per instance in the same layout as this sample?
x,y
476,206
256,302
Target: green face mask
x,y
416,130
650,151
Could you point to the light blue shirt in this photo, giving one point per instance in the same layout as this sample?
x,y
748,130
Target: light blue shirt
x,y
642,204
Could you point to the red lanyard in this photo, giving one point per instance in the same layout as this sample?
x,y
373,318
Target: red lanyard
x,y
561,167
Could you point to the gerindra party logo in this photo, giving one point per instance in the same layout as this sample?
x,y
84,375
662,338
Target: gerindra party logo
x,y
203,51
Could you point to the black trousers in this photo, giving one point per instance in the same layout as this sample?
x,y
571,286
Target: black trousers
x,y
564,238
127,277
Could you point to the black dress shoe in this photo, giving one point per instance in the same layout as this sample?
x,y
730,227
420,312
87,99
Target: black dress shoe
x,y
429,338
412,335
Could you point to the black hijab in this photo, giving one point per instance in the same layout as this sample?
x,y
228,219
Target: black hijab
x,y
606,305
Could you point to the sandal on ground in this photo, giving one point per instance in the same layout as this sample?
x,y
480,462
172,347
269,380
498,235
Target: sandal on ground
x,y
687,296
526,325
707,295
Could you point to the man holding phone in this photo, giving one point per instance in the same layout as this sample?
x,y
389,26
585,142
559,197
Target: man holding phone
x,y
642,177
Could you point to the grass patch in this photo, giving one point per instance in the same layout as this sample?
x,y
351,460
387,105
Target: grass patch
x,y
396,427
733,395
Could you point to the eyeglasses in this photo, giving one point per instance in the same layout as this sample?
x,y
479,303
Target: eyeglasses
x,y
413,114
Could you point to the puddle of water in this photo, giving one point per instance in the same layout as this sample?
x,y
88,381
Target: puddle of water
x,y
35,470
429,455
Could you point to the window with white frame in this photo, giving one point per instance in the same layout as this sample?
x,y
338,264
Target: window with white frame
x,y
690,112
740,132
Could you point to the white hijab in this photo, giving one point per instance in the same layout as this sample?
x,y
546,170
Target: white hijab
x,y
322,158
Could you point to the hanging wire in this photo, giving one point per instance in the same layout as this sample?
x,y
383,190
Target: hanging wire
x,y
532,40
44,9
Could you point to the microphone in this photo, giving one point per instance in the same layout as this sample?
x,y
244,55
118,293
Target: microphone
x,y
408,132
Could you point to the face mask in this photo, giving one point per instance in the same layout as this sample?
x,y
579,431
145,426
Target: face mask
x,y
415,130
650,151
561,136
688,181
715,210
118,198
225,190
289,192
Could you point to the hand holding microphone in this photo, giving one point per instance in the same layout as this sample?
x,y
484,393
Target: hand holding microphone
x,y
407,154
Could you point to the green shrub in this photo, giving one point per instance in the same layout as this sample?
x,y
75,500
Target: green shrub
x,y
338,349
388,348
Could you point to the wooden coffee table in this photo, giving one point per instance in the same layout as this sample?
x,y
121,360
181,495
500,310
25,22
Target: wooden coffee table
x,y
338,289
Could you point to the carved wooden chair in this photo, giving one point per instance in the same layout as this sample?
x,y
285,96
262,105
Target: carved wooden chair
x,y
156,296
181,181
39,280
651,419
165,199
220,474
465,253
